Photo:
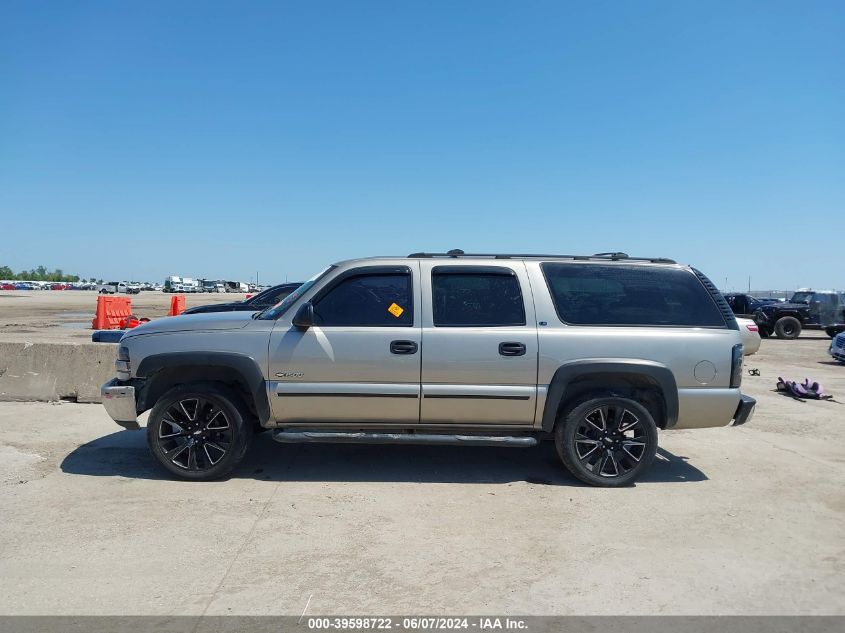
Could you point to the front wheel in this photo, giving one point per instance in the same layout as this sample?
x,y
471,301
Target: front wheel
x,y
788,328
199,432
607,441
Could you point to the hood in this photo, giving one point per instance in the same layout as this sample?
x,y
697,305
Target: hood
x,y
221,307
194,322
769,307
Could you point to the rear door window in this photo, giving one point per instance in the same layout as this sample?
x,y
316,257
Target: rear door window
x,y
476,297
601,294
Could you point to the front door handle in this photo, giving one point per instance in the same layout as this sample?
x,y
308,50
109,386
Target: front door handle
x,y
403,347
512,349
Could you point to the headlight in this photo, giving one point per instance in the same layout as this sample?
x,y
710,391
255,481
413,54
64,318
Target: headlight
x,y
122,365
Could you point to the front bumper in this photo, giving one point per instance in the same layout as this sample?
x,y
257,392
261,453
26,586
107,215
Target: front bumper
x,y
745,410
761,319
119,401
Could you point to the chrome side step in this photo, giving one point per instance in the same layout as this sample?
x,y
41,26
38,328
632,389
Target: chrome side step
x,y
361,437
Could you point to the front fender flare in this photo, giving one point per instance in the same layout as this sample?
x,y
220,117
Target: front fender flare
x,y
244,365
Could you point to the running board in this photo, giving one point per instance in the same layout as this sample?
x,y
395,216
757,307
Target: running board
x,y
360,437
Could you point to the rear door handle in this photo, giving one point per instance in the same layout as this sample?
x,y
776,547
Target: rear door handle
x,y
403,347
512,349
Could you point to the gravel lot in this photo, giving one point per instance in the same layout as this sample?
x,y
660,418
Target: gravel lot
x,y
65,315
744,520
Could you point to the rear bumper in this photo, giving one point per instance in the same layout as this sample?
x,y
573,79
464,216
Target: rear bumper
x,y
119,401
745,410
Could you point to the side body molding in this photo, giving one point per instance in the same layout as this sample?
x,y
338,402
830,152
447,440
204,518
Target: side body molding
x,y
214,363
616,368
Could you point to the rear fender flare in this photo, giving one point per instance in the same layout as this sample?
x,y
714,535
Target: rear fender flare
x,y
620,368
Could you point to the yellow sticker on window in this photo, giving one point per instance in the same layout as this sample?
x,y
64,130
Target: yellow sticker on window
x,y
396,310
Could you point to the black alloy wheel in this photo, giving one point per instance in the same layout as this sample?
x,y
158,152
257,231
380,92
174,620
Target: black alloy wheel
x,y
610,441
607,441
199,431
195,434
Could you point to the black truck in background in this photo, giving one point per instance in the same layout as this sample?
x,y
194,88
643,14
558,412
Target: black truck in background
x,y
811,309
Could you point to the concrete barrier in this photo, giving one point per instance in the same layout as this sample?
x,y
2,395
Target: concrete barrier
x,y
55,371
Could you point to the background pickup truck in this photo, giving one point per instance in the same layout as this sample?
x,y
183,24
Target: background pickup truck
x,y
115,287
815,309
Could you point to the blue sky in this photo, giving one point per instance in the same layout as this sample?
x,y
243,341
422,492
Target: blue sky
x,y
218,139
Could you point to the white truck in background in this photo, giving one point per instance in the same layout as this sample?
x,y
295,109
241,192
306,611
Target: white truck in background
x,y
118,287
174,283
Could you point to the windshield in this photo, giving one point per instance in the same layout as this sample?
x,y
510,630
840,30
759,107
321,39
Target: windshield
x,y
280,308
801,297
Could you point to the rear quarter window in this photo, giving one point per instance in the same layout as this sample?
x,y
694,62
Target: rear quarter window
x,y
599,294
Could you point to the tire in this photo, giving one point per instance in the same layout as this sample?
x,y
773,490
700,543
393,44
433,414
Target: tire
x,y
830,331
788,328
199,431
595,423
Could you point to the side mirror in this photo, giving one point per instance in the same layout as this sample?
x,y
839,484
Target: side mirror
x,y
304,317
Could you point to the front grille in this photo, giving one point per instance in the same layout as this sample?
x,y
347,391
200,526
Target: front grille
x,y
840,342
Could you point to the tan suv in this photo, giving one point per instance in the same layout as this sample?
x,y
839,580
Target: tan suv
x,y
597,352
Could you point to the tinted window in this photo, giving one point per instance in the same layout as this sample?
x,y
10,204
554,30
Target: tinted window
x,y
464,299
294,296
368,300
596,294
272,296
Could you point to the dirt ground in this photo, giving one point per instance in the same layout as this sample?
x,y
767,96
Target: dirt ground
x,y
745,520
56,315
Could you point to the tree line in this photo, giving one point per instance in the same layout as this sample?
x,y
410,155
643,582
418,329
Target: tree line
x,y
38,274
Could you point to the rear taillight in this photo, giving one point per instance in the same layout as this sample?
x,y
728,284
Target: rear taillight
x,y
736,366
752,328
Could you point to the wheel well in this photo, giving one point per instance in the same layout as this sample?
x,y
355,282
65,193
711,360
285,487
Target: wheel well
x,y
165,379
638,387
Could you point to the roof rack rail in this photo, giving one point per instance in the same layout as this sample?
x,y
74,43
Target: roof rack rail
x,y
614,256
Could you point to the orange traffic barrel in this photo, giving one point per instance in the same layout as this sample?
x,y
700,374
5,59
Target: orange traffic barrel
x,y
111,311
177,305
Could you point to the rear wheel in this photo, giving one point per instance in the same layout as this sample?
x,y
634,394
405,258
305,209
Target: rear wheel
x,y
830,331
788,328
199,432
607,441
